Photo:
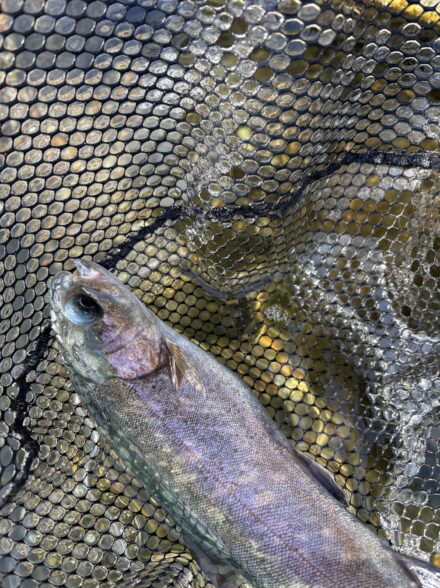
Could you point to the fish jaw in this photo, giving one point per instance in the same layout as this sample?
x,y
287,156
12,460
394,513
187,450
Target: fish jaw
x,y
90,270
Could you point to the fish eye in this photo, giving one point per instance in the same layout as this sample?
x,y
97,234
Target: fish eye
x,y
83,309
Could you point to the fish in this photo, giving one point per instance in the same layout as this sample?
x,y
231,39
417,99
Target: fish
x,y
251,507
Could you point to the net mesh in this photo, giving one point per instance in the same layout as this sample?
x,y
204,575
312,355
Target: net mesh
x,y
264,175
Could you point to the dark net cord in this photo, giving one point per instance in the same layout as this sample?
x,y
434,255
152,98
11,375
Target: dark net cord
x,y
264,176
28,443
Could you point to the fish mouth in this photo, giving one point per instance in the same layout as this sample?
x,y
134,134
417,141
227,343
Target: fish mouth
x,y
96,279
89,269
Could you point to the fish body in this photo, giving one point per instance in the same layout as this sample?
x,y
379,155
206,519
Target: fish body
x,y
200,441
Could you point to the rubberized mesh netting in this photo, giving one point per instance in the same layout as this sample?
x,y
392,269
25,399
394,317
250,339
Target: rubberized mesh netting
x,y
264,175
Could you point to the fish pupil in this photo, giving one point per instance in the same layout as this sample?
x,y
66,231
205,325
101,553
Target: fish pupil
x,y
86,303
83,309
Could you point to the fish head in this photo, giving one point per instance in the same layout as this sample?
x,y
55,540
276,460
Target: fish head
x,y
103,329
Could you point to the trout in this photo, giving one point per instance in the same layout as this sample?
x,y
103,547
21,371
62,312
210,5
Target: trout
x,y
252,508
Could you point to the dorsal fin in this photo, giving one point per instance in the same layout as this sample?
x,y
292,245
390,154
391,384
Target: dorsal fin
x,y
181,368
323,477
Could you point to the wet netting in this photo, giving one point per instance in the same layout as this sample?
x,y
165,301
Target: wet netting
x,y
264,175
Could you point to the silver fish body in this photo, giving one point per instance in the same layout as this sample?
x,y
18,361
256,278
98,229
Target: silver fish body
x,y
200,441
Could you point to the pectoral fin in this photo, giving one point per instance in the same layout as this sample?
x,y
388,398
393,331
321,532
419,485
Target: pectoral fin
x,y
321,475
181,368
